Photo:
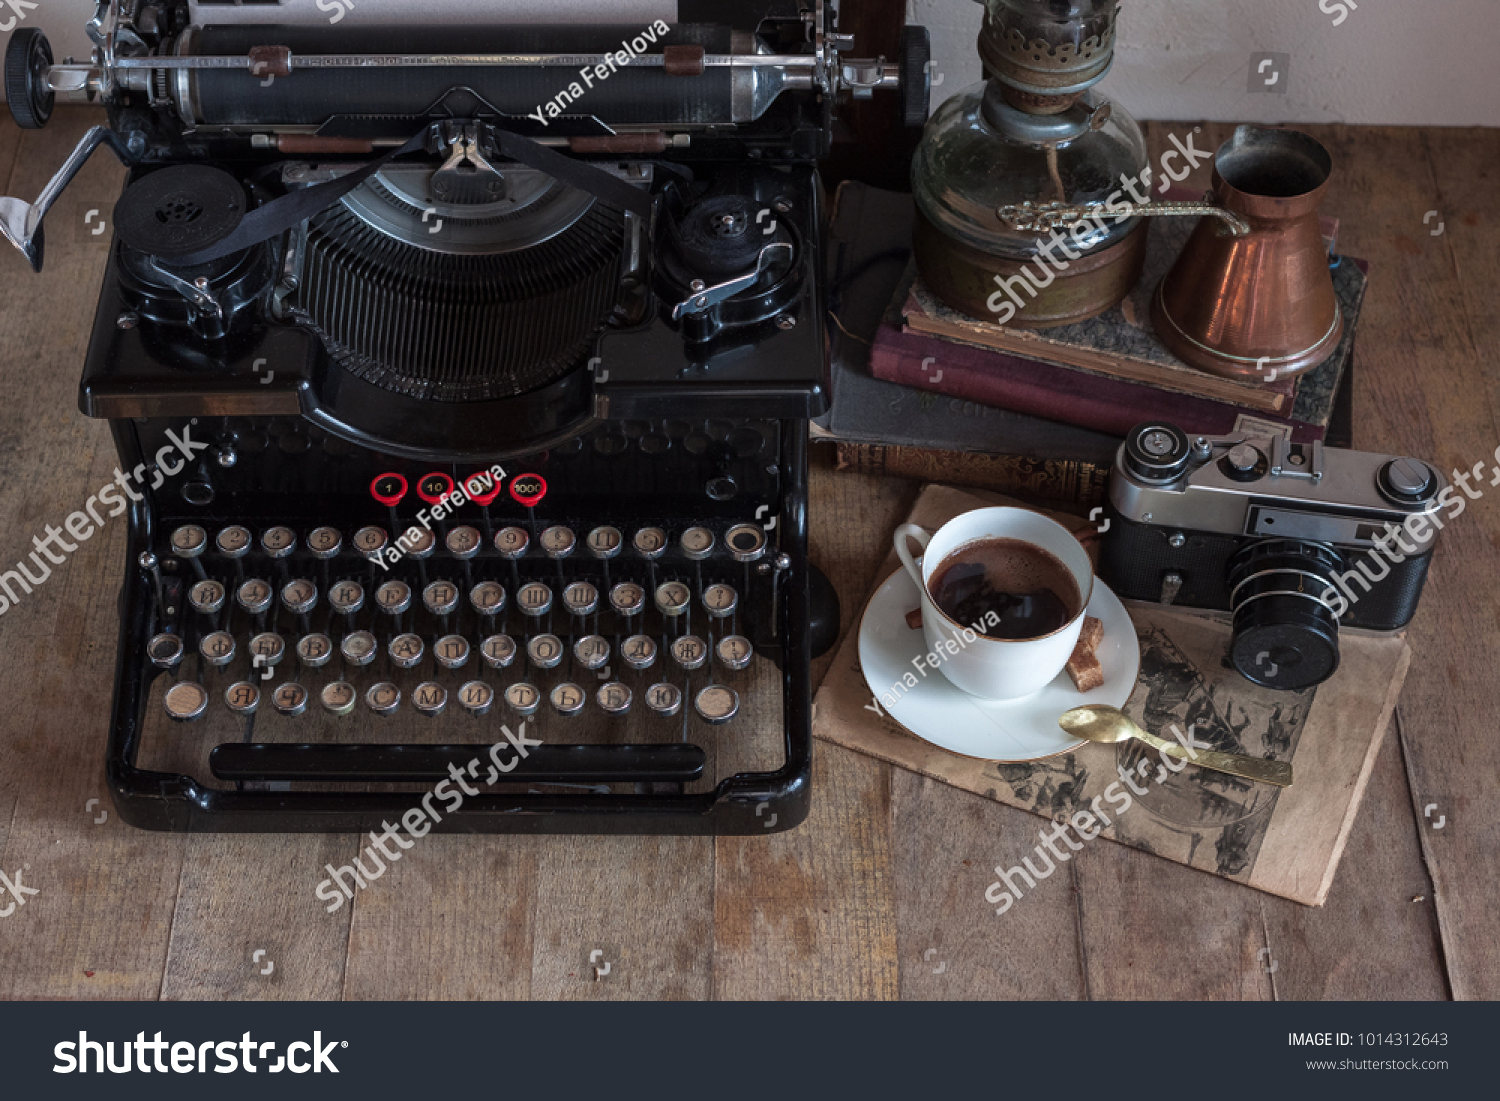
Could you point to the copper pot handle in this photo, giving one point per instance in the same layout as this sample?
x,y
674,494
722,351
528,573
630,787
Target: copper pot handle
x,y
1030,217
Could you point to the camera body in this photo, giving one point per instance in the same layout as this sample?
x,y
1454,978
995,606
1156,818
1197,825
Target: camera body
x,y
1294,540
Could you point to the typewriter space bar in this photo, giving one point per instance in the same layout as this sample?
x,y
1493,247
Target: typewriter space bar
x,y
353,764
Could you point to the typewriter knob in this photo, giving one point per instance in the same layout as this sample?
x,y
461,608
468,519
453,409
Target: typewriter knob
x,y
27,59
916,75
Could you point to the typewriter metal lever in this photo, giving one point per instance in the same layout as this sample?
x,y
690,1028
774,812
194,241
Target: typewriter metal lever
x,y
21,222
705,296
466,176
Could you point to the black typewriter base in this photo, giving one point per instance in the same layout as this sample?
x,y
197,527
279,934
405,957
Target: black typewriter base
x,y
745,803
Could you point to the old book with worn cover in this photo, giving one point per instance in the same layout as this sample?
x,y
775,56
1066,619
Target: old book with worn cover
x,y
882,427
1286,841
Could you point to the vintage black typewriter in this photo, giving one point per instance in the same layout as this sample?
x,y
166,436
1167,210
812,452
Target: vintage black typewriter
x,y
459,368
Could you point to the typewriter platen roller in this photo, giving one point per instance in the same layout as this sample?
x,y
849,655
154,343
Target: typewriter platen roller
x,y
466,365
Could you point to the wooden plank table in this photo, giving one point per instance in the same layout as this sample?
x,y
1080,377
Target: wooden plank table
x,y
880,893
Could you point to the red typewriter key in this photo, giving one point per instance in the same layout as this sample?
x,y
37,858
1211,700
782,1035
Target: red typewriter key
x,y
388,489
482,488
528,489
435,487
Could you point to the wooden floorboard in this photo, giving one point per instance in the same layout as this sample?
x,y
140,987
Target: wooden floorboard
x,y
1438,393
881,894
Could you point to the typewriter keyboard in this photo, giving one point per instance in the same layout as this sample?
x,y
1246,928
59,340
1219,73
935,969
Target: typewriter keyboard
x,y
588,633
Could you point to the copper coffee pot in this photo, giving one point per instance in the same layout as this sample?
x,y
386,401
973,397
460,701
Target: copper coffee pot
x,y
1259,306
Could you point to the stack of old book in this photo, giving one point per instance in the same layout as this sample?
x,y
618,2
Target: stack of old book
x,y
923,391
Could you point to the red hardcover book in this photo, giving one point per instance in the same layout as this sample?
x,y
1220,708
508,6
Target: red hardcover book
x,y
1055,393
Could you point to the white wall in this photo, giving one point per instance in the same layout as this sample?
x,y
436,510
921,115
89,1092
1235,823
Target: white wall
x,y
1395,62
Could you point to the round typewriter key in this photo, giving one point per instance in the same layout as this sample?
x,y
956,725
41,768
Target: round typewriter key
x,y
476,697
325,543
545,651
498,650
482,488
746,542
614,698
664,699
716,704
347,597
418,542
189,541
673,598
370,541
217,648
649,542
429,698
406,650
720,600
165,650
451,651
440,597
522,698
464,541
186,700
388,489
638,651
534,599
206,596
233,541
511,542
267,649
383,698
290,698
278,542
393,597
314,650
358,648
434,487
697,543
581,598
299,596
591,651
528,489
568,699
338,697
254,595
605,542
242,698
735,651
488,597
557,541
689,651
627,598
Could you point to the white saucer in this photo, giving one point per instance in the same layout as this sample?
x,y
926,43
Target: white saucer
x,y
991,730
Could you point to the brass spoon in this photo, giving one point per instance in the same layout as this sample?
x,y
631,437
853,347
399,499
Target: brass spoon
x,y
1107,725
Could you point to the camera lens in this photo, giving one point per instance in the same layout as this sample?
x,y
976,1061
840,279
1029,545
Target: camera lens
x,y
1286,633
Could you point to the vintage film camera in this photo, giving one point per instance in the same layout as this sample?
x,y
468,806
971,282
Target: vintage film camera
x,y
1294,540
499,339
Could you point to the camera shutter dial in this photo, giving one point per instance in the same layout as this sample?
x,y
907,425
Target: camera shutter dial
x,y
1156,453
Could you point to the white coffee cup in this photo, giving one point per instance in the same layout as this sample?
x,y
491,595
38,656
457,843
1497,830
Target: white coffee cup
x,y
994,668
